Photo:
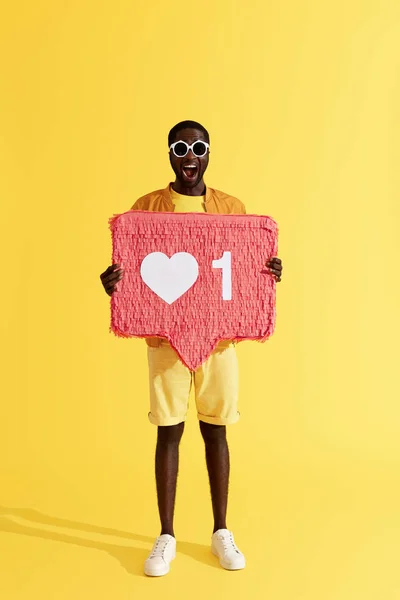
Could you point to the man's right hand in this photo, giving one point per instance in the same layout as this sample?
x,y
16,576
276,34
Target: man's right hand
x,y
110,278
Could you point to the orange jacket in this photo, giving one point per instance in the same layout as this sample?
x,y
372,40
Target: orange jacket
x,y
215,202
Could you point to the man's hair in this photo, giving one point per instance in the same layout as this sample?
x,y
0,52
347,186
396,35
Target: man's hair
x,y
186,125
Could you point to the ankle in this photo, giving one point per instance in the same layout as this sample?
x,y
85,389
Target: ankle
x,y
219,526
167,531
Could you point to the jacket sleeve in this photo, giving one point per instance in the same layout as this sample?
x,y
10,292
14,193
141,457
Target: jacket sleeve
x,y
142,203
136,205
242,207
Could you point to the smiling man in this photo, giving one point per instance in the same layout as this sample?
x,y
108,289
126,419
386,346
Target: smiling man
x,y
215,382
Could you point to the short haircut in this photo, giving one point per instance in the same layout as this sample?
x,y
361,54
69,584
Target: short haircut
x,y
186,125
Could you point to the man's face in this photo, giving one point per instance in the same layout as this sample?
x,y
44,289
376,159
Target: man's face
x,y
189,169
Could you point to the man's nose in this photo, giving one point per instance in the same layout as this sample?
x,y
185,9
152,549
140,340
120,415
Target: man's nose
x,y
190,155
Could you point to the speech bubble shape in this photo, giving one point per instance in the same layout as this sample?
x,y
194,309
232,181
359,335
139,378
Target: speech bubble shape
x,y
231,297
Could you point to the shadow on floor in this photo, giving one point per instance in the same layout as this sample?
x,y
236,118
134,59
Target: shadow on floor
x,y
130,558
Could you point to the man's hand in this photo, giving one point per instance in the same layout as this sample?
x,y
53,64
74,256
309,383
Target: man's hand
x,y
110,278
275,267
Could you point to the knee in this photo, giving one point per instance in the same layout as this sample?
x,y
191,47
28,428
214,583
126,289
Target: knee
x,y
212,433
171,434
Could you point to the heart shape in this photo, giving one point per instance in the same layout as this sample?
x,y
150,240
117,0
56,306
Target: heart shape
x,y
169,278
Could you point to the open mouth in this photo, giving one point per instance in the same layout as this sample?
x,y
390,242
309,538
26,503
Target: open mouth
x,y
190,172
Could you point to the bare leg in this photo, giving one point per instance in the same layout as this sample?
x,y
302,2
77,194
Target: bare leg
x,y
218,466
167,463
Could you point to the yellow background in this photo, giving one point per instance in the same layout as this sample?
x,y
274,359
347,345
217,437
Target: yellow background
x,y
301,98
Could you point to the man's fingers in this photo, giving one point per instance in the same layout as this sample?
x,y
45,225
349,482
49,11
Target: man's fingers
x,y
109,270
111,283
112,277
276,269
275,262
110,287
276,274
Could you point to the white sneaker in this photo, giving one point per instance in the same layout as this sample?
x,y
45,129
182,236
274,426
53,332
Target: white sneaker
x,y
223,545
164,550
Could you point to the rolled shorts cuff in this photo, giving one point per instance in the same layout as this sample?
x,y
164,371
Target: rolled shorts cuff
x,y
167,422
218,420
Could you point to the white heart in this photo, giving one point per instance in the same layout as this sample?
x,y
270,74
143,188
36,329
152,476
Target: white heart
x,y
169,278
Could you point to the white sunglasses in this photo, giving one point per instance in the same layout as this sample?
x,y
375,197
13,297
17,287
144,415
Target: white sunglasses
x,y
180,148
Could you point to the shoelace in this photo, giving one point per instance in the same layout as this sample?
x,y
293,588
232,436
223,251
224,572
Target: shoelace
x,y
228,543
159,548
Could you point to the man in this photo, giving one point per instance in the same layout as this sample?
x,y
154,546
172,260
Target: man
x,y
215,382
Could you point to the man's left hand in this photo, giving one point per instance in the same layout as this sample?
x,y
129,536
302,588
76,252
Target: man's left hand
x,y
275,267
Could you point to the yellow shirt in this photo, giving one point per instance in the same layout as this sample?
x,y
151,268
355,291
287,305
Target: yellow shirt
x,y
185,204
216,202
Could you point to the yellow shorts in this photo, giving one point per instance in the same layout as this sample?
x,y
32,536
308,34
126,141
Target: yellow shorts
x,y
215,385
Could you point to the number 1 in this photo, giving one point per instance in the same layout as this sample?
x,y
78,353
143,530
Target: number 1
x,y
225,263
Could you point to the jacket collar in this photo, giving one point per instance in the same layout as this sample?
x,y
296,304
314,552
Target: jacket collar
x,y
167,195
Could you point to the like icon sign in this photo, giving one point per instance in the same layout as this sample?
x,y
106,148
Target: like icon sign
x,y
194,279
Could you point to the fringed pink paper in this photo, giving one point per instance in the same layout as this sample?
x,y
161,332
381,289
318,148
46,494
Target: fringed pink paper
x,y
198,320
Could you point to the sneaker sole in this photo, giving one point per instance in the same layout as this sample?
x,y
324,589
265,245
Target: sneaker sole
x,y
158,572
227,566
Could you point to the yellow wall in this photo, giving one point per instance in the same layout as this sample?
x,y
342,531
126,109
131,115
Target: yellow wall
x,y
301,98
